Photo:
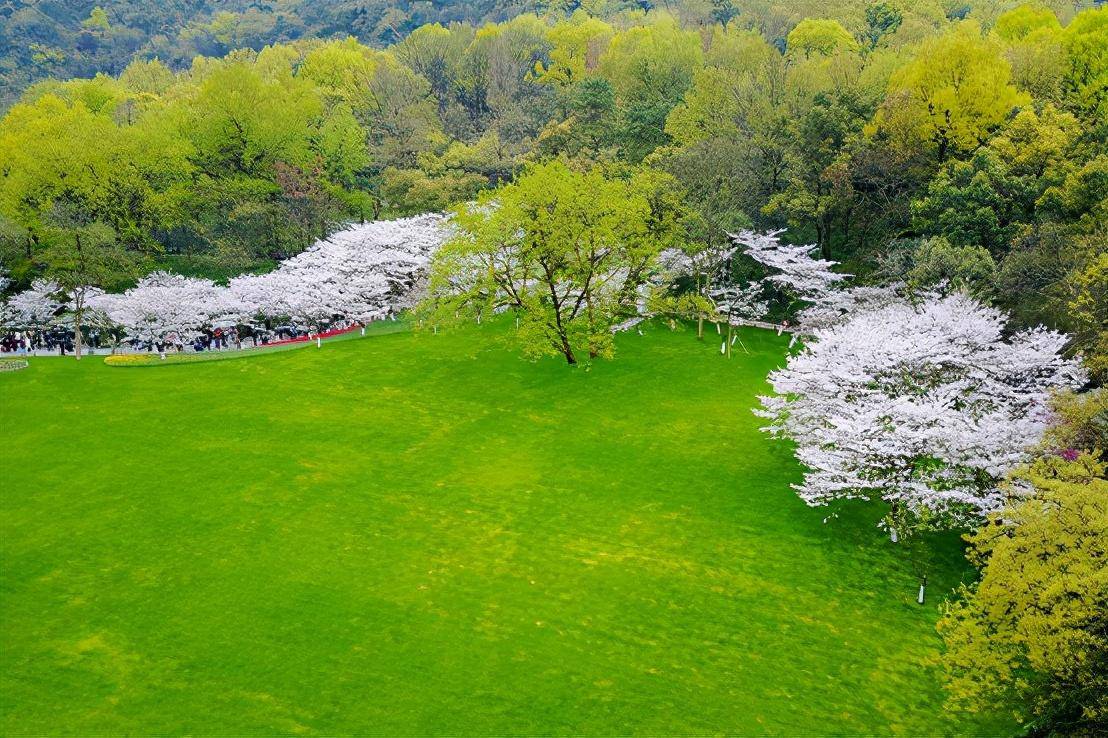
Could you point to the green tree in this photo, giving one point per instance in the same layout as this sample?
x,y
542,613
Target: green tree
x,y
566,250
949,99
1082,421
1025,20
1087,292
244,123
1086,80
83,258
737,115
650,68
591,125
97,20
577,44
1032,38
936,261
818,196
1030,639
819,36
882,19
974,203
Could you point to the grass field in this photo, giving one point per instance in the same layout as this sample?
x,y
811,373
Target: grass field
x,y
416,534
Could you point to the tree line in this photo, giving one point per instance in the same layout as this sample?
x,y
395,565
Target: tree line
x,y
919,141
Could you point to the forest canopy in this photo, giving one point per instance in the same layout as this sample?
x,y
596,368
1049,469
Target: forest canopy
x,y
930,141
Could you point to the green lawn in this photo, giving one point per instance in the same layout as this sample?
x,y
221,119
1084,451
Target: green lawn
x,y
414,534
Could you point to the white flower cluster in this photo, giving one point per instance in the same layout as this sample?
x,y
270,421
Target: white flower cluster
x,y
919,400
33,307
795,268
362,273
923,404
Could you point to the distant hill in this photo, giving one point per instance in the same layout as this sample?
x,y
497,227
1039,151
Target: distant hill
x,y
79,38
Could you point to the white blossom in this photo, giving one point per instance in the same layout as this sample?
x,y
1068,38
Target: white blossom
x,y
33,308
163,303
362,273
926,405
739,303
808,278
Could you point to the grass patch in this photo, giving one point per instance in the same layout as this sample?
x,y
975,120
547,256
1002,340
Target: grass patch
x,y
424,533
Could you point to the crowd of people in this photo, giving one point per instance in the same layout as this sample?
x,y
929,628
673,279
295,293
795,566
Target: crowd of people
x,y
62,340
52,339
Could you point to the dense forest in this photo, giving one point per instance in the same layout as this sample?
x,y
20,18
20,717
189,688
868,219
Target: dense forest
x,y
929,141
47,38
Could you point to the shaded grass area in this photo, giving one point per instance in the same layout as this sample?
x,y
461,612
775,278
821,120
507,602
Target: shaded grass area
x,y
425,534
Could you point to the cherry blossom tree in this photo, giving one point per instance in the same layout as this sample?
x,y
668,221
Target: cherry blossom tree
x,y
793,268
925,405
362,273
36,307
163,303
738,304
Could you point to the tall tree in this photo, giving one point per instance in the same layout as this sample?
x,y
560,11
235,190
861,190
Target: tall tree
x,y
924,405
567,251
952,96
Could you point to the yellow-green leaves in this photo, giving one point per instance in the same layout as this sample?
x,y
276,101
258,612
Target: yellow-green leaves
x,y
1030,638
819,37
952,96
566,250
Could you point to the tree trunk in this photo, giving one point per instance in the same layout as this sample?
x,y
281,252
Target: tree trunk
x,y
730,329
700,326
77,334
568,352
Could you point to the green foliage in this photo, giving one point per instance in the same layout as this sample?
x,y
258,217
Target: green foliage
x,y
853,125
1081,422
567,251
882,19
1088,306
1031,638
97,20
955,93
1086,43
1025,20
650,67
823,37
974,203
936,261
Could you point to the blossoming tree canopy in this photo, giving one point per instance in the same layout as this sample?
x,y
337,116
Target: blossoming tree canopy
x,y
361,273
926,406
795,269
163,303
35,307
